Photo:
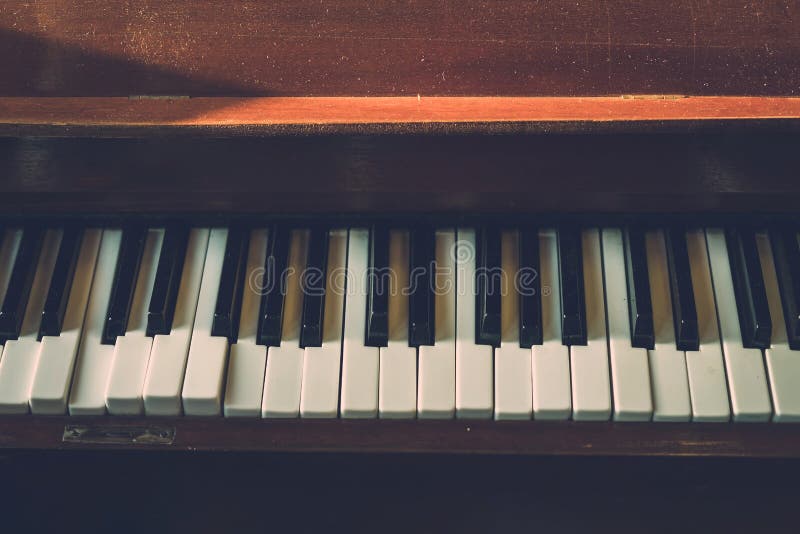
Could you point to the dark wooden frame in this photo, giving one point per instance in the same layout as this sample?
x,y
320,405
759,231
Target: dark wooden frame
x,y
448,436
748,172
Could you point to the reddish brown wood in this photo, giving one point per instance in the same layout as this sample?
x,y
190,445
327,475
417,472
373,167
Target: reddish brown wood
x,y
266,115
484,437
427,47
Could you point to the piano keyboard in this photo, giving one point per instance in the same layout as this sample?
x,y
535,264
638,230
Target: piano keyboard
x,y
624,324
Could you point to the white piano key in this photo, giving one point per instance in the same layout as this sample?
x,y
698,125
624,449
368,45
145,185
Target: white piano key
x,y
474,374
671,400
247,360
21,356
321,365
591,385
436,394
630,373
783,364
360,363
205,365
513,398
132,350
93,363
285,363
17,369
747,380
398,362
552,395
705,368
57,354
162,387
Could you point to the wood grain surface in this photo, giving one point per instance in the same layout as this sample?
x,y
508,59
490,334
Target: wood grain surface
x,y
398,48
449,437
227,116
395,176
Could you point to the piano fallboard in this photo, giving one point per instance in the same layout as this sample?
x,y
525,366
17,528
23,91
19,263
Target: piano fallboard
x,y
747,171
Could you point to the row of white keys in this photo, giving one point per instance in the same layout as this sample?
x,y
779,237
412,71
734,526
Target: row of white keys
x,y
671,401
20,356
513,397
630,373
321,365
474,389
360,363
93,361
247,361
398,362
284,371
132,350
205,365
550,366
57,355
783,364
162,386
591,387
747,380
436,393
705,367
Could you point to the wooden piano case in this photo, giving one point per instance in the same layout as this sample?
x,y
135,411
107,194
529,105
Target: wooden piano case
x,y
464,109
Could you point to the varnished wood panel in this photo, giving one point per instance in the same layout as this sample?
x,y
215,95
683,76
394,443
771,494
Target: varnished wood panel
x,y
398,47
474,437
395,175
252,115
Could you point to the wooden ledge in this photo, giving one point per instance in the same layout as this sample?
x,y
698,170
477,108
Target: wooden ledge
x,y
99,115
382,436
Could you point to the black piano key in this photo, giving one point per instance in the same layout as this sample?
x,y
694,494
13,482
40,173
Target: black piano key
x,y
129,261
377,327
12,311
748,286
161,311
313,285
55,305
488,278
684,312
786,255
530,286
231,285
573,297
640,304
421,306
270,312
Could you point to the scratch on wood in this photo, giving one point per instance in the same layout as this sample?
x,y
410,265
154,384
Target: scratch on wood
x,y
694,40
653,97
608,31
158,97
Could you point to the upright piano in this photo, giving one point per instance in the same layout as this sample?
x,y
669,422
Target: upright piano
x,y
434,227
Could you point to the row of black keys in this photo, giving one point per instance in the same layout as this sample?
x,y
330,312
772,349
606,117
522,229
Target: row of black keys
x,y
755,321
20,282
749,288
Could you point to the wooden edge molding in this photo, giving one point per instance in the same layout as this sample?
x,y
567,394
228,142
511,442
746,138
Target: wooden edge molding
x,y
53,113
459,437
